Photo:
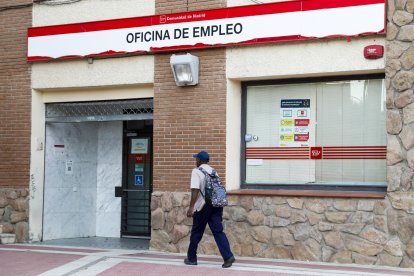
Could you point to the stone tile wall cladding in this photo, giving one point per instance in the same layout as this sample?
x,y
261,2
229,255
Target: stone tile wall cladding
x,y
400,125
14,213
363,231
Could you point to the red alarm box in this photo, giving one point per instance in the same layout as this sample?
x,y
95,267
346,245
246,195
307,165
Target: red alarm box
x,y
373,51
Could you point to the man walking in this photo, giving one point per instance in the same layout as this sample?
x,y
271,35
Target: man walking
x,y
204,214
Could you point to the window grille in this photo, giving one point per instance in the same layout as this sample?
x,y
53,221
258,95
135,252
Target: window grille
x,y
124,110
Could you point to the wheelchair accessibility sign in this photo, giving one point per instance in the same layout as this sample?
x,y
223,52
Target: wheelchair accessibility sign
x,y
139,180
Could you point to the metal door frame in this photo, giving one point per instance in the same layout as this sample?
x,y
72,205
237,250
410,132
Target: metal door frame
x,y
146,133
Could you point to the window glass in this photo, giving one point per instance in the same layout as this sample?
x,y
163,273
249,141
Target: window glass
x,y
326,133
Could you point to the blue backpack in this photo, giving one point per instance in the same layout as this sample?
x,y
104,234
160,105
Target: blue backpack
x,y
214,191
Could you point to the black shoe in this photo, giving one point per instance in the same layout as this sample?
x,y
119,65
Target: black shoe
x,y
188,262
228,262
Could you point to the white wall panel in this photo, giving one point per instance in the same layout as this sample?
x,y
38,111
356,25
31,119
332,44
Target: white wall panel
x,y
82,203
232,3
102,72
301,59
109,175
90,10
70,196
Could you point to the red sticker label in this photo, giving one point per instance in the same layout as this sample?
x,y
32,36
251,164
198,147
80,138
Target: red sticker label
x,y
301,137
301,122
136,158
316,153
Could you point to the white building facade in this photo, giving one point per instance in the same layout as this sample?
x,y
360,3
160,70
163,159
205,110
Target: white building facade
x,y
308,123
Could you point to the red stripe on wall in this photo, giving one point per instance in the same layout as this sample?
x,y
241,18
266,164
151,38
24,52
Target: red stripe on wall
x,y
277,153
355,147
282,158
355,152
354,158
336,152
234,12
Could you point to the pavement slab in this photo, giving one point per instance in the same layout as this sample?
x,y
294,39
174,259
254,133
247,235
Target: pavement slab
x,y
36,259
27,263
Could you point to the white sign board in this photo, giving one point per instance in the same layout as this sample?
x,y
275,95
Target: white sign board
x,y
282,21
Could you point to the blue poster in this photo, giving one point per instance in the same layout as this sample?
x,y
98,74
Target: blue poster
x,y
139,180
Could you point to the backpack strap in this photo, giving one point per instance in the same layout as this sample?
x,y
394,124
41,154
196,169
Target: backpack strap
x,y
213,172
204,172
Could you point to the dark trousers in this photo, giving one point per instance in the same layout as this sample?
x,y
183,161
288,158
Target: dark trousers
x,y
212,216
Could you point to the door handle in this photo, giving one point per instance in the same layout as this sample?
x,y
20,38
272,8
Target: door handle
x,y
118,191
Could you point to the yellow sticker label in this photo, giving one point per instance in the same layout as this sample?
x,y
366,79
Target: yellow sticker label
x,y
286,137
287,122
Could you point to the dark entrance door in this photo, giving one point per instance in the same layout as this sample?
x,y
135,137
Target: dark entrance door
x,y
137,180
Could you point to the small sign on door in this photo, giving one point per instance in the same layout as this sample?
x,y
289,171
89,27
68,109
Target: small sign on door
x,y
139,168
69,167
139,180
139,146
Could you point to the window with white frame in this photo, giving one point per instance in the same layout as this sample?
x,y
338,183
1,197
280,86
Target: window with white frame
x,y
315,132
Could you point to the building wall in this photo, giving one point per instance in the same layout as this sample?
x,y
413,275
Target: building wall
x,y
188,119
81,80
328,229
14,95
165,6
91,10
207,116
233,3
15,18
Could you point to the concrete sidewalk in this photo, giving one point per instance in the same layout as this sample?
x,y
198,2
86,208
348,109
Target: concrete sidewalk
x,y
29,259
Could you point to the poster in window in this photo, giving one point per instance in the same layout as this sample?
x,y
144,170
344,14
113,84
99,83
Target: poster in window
x,y
139,146
294,123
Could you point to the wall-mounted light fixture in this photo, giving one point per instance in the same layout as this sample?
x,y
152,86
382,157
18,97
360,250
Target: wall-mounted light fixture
x,y
185,69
